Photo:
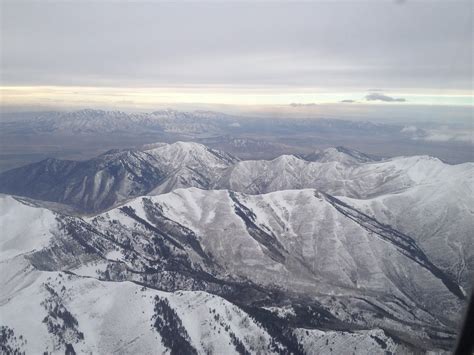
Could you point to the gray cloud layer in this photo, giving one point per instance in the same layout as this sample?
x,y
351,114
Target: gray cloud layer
x,y
308,44
381,97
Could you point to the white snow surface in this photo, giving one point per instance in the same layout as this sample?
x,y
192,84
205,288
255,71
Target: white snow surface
x,y
23,228
117,317
324,251
314,249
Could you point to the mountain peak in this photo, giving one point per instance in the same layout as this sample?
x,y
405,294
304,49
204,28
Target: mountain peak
x,y
189,145
286,159
342,155
180,153
176,147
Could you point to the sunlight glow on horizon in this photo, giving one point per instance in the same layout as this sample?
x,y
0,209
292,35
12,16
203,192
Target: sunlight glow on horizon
x,y
143,98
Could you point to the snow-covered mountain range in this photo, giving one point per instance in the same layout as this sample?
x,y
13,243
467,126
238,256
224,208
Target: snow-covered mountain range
x,y
89,121
181,248
160,168
192,123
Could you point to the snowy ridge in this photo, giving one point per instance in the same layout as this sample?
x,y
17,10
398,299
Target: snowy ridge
x,y
24,228
115,176
203,253
439,216
214,241
403,191
92,316
338,177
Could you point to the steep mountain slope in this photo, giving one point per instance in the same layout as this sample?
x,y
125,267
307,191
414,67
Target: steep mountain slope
x,y
62,312
332,265
24,228
420,196
338,173
115,176
439,214
87,185
56,311
103,182
189,165
303,234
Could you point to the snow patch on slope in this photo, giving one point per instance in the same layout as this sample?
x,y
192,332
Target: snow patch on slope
x,y
24,228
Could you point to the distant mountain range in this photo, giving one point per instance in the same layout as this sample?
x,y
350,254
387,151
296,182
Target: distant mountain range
x,y
89,121
29,137
186,249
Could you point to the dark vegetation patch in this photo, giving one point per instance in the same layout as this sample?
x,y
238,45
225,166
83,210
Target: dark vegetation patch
x,y
277,328
168,324
273,247
379,341
60,322
10,343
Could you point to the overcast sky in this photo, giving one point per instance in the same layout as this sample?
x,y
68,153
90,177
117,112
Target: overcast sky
x,y
394,48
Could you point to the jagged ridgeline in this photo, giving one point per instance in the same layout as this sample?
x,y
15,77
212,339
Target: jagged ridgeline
x,y
179,248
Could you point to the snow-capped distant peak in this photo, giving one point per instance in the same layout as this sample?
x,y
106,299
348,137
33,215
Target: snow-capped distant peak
x,y
340,154
178,148
180,153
